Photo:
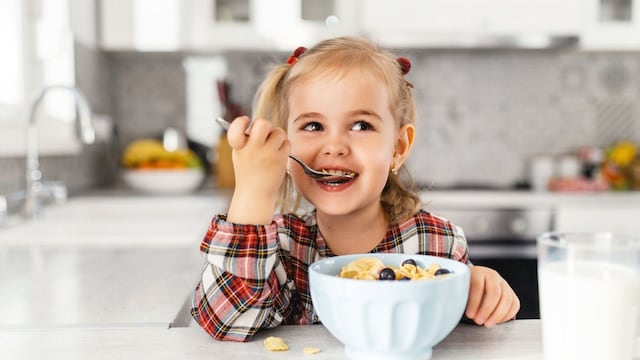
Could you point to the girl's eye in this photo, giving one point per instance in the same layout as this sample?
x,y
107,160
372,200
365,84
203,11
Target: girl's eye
x,y
312,126
362,125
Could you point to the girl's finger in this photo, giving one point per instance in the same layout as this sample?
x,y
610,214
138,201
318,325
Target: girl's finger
x,y
500,313
490,300
476,292
236,134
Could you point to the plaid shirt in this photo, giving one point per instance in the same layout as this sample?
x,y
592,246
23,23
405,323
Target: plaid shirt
x,y
256,275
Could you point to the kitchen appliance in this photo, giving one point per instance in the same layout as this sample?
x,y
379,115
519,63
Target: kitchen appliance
x,y
504,239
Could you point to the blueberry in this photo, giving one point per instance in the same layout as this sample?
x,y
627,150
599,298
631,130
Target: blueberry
x,y
442,271
387,274
409,262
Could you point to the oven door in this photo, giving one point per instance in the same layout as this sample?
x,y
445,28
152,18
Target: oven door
x,y
505,240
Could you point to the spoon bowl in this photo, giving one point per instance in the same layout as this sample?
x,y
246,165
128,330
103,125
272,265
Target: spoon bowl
x,y
313,173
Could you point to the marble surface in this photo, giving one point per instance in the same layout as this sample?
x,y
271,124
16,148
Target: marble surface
x,y
107,219
104,259
45,287
519,339
529,199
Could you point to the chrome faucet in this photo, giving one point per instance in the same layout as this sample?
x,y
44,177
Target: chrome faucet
x,y
35,189
3,210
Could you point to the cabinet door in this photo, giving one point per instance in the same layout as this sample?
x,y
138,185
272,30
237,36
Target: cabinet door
x,y
266,25
611,25
147,25
477,17
225,25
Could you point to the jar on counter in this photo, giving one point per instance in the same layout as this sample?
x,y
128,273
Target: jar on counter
x,y
541,171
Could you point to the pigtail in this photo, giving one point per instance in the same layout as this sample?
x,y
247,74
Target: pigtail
x,y
267,103
400,199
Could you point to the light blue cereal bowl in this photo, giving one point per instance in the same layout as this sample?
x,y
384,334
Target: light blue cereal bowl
x,y
389,320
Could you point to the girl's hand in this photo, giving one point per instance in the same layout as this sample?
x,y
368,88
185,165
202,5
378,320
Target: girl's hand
x,y
491,299
260,158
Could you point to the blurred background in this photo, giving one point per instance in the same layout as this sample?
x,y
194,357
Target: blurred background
x,y
514,94
531,106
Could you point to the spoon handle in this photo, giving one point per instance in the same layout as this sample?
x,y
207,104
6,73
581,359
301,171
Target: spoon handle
x,y
223,123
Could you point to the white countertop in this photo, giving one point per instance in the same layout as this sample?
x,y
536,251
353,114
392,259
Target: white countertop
x,y
519,339
104,276
528,199
44,287
104,260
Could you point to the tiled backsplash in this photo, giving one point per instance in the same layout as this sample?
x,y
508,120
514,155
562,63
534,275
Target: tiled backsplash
x,y
483,113
96,165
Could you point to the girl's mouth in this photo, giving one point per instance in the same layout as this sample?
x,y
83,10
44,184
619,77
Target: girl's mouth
x,y
338,172
340,177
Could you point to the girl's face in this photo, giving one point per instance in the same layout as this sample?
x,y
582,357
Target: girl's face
x,y
344,124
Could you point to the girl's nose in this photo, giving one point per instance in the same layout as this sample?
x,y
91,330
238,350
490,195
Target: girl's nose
x,y
336,145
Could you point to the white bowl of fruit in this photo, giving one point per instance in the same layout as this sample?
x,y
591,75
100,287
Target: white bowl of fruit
x,y
148,167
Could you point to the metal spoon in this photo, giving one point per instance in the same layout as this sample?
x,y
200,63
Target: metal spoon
x,y
307,169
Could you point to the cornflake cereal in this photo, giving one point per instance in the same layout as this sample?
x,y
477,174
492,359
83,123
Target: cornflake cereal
x,y
368,268
311,350
273,343
363,269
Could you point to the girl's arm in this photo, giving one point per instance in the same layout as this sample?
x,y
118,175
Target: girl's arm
x,y
239,292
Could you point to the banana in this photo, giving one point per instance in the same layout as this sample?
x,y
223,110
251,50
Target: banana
x,y
149,153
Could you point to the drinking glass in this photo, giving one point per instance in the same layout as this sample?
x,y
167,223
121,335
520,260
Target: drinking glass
x,y
589,285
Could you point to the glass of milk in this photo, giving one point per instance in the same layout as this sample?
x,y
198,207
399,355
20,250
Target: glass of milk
x,y
589,286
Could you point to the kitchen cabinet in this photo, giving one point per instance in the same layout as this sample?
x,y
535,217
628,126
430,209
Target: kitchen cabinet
x,y
611,25
463,23
144,25
270,25
213,25
282,25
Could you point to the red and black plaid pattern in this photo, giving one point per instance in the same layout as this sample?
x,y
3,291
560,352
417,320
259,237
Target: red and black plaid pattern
x,y
256,275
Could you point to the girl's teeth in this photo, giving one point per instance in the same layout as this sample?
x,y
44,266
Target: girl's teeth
x,y
338,172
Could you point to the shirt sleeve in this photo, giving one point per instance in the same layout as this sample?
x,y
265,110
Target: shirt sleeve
x,y
459,247
236,293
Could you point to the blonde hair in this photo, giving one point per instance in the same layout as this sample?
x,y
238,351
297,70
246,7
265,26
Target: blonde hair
x,y
338,56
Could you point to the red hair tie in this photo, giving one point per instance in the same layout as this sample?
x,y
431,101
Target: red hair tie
x,y
296,54
405,65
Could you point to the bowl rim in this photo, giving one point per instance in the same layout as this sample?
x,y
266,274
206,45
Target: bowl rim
x,y
401,256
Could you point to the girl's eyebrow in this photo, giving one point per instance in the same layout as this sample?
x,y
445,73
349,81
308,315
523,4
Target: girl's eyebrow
x,y
365,112
315,115
312,115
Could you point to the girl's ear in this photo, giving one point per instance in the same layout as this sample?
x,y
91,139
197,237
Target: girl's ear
x,y
404,143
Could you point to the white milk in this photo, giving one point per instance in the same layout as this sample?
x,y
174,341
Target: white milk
x,y
590,312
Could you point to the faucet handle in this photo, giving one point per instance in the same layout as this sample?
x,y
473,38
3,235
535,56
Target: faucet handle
x,y
55,190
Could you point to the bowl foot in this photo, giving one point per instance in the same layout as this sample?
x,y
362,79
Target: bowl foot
x,y
369,354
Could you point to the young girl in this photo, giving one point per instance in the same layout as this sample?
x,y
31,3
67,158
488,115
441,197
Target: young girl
x,y
342,106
